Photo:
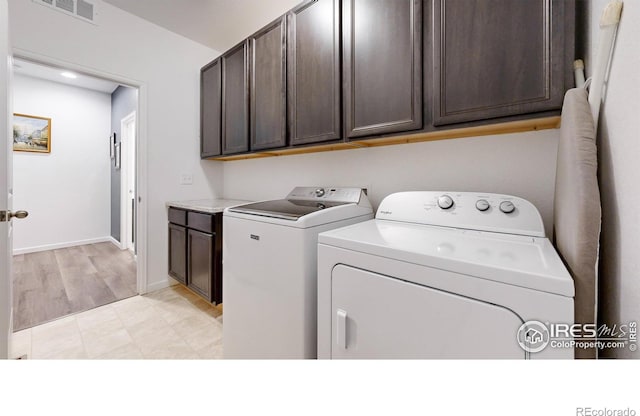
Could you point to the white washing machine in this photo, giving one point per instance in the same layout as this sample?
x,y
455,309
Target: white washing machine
x,y
441,275
270,269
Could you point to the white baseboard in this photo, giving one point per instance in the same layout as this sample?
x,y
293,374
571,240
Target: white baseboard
x,y
152,287
65,245
116,243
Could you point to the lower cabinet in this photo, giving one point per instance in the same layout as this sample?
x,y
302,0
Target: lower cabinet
x,y
195,252
178,253
200,261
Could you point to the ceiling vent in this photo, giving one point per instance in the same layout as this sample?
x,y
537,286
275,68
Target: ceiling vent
x,y
66,5
84,9
80,9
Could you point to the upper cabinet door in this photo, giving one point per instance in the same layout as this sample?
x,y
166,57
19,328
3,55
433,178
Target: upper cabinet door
x,y
314,82
382,66
210,109
235,100
268,87
495,58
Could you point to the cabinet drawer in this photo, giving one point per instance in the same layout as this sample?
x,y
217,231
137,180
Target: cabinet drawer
x,y
200,222
178,216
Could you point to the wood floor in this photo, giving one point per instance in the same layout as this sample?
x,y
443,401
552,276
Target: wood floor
x,y
51,284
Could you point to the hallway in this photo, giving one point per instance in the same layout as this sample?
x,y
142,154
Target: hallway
x,y
51,284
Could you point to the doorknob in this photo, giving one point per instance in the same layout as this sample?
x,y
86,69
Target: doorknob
x,y
7,215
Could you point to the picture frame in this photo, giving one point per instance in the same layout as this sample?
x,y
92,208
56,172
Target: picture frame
x,y
31,133
112,146
116,161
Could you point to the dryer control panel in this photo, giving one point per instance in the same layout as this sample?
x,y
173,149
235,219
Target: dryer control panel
x,y
465,210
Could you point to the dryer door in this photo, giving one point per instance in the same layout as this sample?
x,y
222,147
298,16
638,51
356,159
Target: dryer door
x,y
375,316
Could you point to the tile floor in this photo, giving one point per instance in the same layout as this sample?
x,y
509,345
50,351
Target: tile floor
x,y
172,323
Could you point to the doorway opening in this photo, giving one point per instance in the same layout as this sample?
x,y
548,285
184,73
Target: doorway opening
x,y
128,183
76,250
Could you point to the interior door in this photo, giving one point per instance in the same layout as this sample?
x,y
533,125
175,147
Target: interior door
x,y
5,184
375,316
131,183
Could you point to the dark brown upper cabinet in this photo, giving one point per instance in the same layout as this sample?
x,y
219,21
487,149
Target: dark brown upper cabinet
x,y
382,66
235,99
210,109
500,57
314,83
269,86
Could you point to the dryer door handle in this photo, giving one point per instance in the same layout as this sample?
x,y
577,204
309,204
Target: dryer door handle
x,y
341,328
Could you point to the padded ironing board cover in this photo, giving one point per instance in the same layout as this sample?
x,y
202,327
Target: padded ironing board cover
x,y
577,212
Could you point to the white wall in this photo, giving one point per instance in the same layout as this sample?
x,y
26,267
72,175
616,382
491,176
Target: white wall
x,y
66,191
167,65
518,164
619,170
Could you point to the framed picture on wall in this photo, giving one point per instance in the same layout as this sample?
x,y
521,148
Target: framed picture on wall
x,y
31,133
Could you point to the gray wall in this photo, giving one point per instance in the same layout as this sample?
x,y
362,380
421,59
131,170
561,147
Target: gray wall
x,y
124,101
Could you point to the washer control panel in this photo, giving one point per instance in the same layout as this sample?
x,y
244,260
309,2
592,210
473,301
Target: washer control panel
x,y
327,194
467,210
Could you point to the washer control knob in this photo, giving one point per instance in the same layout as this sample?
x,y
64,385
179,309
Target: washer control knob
x,y
445,202
320,192
507,207
482,205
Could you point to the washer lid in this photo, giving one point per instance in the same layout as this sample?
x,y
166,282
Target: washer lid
x,y
284,208
305,200
518,260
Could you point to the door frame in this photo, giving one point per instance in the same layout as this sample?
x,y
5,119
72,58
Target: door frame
x,y
141,156
124,176
6,115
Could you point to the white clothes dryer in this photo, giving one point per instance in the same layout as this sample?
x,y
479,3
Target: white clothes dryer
x,y
442,275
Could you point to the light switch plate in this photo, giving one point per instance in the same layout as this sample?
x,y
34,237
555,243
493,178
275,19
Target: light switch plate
x,y
186,179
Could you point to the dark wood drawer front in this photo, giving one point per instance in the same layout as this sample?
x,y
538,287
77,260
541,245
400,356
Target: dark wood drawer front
x,y
200,222
178,216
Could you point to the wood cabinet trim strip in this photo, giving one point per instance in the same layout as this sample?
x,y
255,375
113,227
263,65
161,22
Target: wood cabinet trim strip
x,y
466,132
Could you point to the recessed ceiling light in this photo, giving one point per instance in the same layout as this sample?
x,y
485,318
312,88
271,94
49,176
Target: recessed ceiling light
x,y
69,75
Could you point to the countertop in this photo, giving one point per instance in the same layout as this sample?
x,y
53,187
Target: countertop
x,y
211,206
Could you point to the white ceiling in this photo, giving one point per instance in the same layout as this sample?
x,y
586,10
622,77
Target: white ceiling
x,y
218,24
35,70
